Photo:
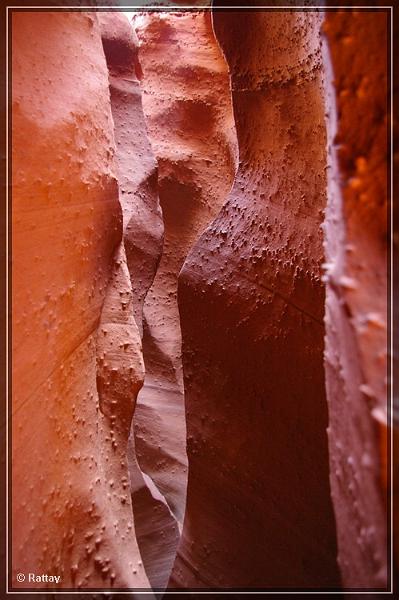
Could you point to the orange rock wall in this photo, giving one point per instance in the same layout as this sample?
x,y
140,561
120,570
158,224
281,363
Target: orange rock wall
x,y
199,333
71,507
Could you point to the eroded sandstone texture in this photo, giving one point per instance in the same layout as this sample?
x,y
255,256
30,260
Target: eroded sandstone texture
x,y
251,302
356,306
163,274
73,326
137,168
186,100
156,528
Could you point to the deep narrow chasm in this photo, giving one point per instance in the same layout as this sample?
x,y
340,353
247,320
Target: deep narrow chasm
x,y
199,333
184,93
156,530
187,104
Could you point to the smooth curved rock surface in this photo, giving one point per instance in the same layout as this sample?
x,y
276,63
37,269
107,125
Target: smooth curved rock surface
x,y
136,164
71,506
156,528
187,105
164,275
251,301
356,304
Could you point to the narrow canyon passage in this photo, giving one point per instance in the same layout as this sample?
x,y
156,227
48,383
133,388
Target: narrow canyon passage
x,y
199,332
186,100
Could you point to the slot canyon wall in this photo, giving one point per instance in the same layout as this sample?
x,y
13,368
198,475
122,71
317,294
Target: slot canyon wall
x,y
73,329
251,303
186,100
156,530
356,246
199,241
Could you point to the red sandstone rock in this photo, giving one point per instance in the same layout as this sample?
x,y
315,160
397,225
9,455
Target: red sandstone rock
x,y
71,507
187,105
251,300
356,274
156,528
251,303
136,165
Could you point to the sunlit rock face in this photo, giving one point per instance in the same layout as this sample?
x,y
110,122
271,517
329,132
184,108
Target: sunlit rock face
x,y
356,278
71,507
251,302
